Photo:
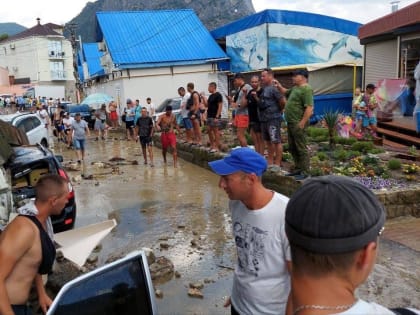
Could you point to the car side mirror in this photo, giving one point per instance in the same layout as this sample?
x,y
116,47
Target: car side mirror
x,y
59,158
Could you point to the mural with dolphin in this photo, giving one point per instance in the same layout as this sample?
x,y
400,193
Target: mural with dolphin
x,y
248,49
288,45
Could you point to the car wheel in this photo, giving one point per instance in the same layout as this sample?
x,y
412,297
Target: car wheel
x,y
44,143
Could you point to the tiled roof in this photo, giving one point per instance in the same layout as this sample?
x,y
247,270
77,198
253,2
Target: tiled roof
x,y
137,39
37,30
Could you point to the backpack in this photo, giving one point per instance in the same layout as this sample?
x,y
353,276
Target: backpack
x,y
190,101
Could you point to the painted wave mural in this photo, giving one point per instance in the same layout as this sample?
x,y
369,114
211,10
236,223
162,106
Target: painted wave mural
x,y
290,45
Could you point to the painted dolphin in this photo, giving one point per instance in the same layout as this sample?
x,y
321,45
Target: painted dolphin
x,y
355,54
338,45
292,51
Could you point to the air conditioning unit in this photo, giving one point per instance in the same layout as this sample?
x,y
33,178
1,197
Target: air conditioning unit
x,y
101,46
12,46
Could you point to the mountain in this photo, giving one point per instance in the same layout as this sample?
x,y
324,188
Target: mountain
x,y
213,13
11,28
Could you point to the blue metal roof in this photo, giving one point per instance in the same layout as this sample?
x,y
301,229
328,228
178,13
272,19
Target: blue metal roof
x,y
288,17
139,39
92,57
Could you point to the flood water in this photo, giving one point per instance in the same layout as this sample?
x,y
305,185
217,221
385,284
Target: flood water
x,y
158,205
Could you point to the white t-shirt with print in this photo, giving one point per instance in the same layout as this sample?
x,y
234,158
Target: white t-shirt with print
x,y
365,308
261,282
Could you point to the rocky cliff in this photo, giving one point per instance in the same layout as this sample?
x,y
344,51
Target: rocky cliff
x,y
213,13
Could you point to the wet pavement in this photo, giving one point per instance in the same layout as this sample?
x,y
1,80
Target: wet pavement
x,y
183,209
159,205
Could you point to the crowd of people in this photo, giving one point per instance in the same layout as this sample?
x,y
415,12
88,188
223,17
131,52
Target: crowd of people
x,y
290,259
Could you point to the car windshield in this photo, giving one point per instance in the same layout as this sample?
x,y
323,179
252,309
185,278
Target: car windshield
x,y
174,102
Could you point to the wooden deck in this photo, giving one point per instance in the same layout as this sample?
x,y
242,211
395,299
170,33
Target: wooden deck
x,y
401,131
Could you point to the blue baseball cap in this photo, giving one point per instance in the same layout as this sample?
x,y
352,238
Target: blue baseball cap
x,y
242,159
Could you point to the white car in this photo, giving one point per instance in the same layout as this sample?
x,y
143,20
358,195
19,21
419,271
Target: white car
x,y
31,124
175,102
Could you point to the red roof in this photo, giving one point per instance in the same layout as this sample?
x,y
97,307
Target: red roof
x,y
404,17
37,30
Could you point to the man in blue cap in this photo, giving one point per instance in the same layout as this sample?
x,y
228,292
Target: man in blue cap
x,y
261,282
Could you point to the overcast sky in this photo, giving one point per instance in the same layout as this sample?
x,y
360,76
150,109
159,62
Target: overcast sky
x,y
25,12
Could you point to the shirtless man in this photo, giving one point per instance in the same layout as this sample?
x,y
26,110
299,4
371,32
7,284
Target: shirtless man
x,y
166,124
26,250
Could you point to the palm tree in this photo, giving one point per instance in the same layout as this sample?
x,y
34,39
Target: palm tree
x,y
331,120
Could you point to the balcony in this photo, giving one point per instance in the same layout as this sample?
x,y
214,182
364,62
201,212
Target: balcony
x,y
56,54
58,75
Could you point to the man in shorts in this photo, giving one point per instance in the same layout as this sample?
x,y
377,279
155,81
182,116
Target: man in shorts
x,y
271,108
214,105
100,123
241,110
144,130
80,130
184,114
166,124
130,114
67,124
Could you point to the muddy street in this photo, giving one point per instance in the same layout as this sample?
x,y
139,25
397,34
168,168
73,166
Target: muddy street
x,y
159,206
183,215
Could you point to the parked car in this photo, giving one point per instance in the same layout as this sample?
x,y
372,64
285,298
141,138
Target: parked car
x,y
31,124
175,102
87,113
26,167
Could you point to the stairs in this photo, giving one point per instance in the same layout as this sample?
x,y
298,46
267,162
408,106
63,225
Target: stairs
x,y
399,133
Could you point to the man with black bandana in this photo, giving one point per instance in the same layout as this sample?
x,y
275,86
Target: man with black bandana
x,y
27,251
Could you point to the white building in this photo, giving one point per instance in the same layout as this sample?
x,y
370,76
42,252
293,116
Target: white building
x,y
40,57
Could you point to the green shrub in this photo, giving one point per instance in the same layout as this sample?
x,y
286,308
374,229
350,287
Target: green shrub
x,y
376,151
285,147
340,155
320,138
362,146
345,141
286,156
370,160
394,164
352,154
322,156
317,132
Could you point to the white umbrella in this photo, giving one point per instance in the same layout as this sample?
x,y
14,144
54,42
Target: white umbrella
x,y
95,100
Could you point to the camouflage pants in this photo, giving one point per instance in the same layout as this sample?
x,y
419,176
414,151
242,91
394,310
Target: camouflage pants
x,y
297,147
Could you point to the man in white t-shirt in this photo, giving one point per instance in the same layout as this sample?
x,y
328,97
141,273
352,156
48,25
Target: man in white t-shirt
x,y
150,107
261,281
43,114
333,224
184,114
67,124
